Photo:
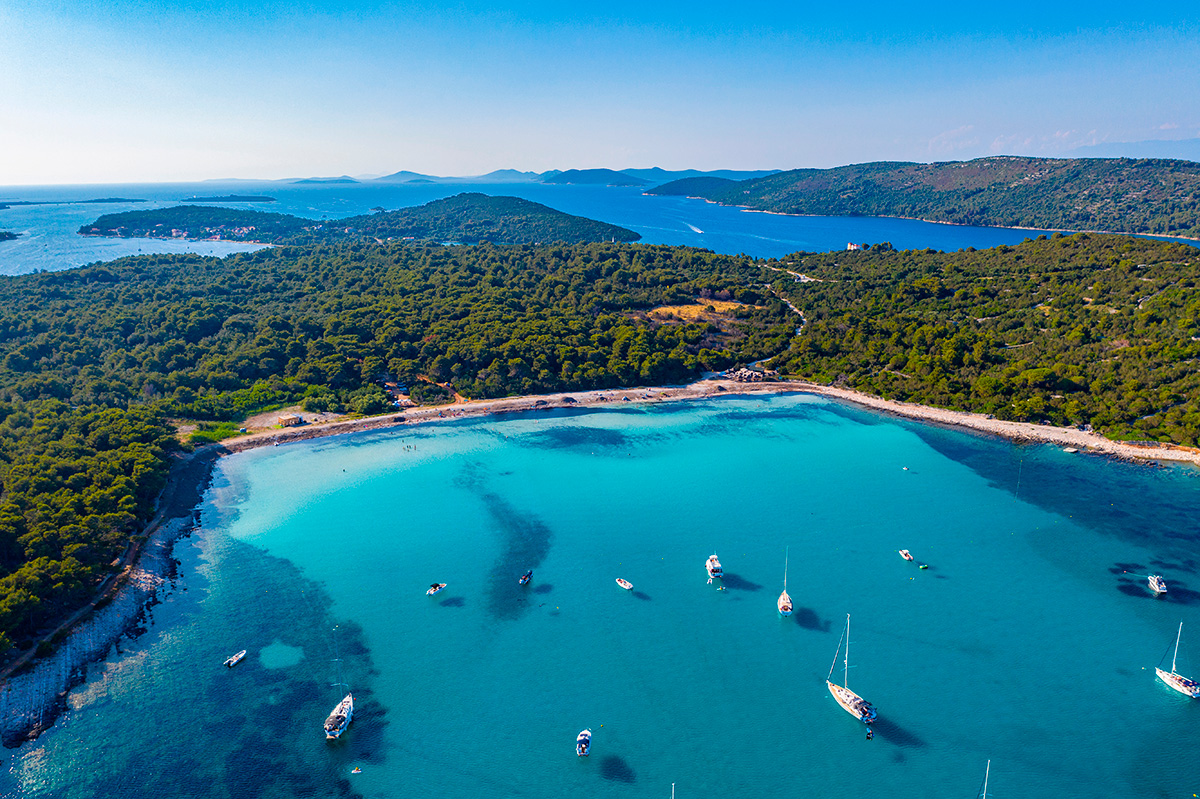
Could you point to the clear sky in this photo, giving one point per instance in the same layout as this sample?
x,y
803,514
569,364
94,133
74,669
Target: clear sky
x,y
143,90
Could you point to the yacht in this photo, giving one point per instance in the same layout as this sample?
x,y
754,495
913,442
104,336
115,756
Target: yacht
x,y
434,588
784,603
851,702
1157,584
583,743
1177,681
339,719
525,578
714,568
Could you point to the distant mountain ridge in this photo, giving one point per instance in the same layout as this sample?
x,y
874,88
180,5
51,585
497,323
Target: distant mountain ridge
x,y
1148,196
465,218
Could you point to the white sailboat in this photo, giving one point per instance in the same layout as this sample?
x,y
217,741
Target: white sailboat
x,y
1172,678
339,718
851,702
785,602
983,794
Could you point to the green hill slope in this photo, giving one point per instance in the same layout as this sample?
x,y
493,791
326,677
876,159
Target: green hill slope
x,y
465,218
1152,196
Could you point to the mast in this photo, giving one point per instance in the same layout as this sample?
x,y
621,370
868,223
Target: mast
x,y
985,780
785,560
846,676
1176,655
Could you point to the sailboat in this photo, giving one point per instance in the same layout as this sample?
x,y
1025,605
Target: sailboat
x,y
853,704
339,718
983,791
1180,683
785,602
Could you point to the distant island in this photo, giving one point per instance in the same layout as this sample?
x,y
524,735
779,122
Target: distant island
x,y
464,218
100,200
595,177
231,198
1150,196
342,179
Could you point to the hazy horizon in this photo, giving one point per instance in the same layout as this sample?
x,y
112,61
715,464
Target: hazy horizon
x,y
126,91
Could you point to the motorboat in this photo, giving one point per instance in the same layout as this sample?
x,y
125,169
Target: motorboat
x,y
339,719
904,553
233,660
525,578
434,588
583,744
1157,584
715,572
628,586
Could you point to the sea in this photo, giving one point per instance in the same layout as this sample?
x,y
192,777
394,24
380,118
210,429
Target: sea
x,y
48,239
1030,640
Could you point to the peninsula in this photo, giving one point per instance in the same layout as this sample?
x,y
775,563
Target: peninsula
x,y
1149,196
464,218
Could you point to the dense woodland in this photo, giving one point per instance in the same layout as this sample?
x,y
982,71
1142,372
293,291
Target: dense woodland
x,y
1076,330
1155,196
465,218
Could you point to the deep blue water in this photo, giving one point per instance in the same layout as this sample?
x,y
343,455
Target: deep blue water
x,y
49,240
1028,641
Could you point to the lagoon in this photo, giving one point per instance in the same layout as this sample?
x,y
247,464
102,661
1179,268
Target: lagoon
x,y
1028,641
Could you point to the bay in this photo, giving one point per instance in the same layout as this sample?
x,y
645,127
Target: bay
x,y
49,240
1029,641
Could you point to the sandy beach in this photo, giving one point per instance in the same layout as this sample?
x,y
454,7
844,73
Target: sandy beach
x,y
1018,431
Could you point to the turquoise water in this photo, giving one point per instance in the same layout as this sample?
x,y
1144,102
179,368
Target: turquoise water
x,y
1024,642
49,240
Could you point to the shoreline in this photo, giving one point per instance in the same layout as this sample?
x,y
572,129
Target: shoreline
x,y
1082,440
749,210
33,698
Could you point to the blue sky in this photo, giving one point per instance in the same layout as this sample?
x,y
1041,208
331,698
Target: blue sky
x,y
132,90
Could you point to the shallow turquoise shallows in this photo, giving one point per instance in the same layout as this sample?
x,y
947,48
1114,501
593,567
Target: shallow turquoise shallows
x,y
1030,640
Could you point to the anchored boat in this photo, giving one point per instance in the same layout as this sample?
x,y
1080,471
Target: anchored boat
x,y
1172,678
233,660
583,744
1157,584
904,553
715,572
339,719
525,578
851,702
784,602
434,588
628,586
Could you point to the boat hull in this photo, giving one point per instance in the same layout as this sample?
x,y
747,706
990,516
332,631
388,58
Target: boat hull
x,y
852,703
583,744
1181,684
784,604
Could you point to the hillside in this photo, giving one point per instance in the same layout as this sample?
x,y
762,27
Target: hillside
x,y
1086,329
1153,196
466,218
595,177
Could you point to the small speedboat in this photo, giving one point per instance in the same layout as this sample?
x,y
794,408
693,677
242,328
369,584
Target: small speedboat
x,y
715,572
628,586
583,743
1157,584
233,660
904,553
525,578
434,588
